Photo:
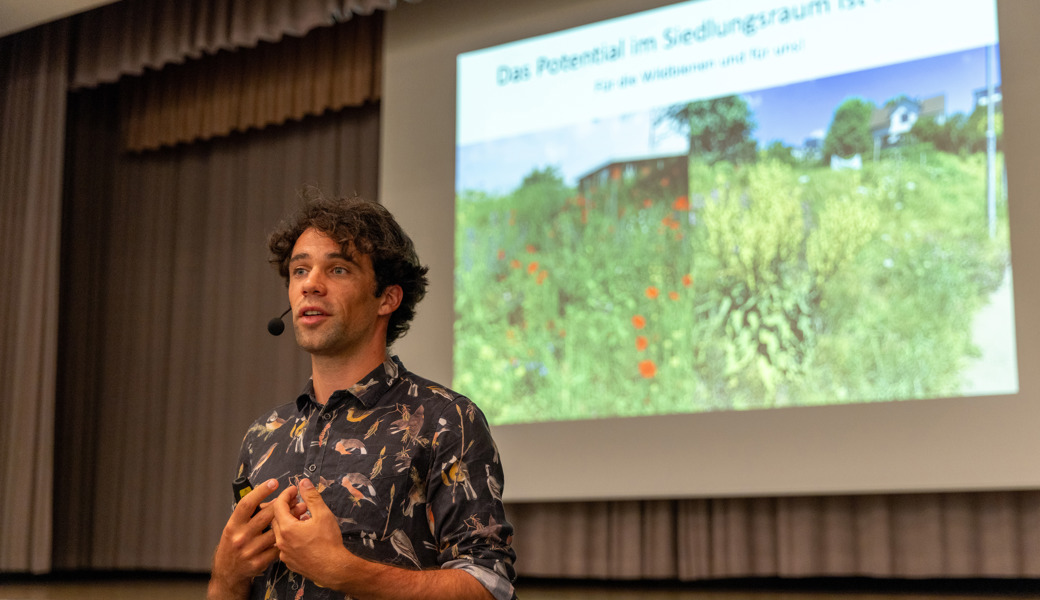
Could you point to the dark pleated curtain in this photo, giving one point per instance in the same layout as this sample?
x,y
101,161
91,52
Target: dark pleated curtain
x,y
173,180
329,69
32,117
132,36
167,296
929,535
123,409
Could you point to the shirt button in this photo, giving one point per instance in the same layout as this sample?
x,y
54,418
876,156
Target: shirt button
x,y
311,468
326,416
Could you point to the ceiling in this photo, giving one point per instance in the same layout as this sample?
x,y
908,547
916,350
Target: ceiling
x,y
16,15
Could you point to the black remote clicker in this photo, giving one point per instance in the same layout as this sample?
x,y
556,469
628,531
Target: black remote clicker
x,y
241,487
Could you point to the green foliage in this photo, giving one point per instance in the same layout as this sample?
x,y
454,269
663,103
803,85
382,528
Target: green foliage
x,y
767,266
849,132
953,135
976,129
768,285
959,134
550,175
896,321
778,152
844,226
928,130
719,129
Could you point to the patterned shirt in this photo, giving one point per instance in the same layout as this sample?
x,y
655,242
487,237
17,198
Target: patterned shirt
x,y
408,467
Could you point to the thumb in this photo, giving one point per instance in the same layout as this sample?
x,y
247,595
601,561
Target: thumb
x,y
312,497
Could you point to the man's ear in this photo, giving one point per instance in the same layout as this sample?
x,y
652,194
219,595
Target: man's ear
x,y
390,299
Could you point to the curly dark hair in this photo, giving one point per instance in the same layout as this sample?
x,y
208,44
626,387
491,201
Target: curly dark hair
x,y
369,228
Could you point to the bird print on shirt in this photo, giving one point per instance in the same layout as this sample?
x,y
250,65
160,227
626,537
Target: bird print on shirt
x,y
403,546
352,482
351,446
407,467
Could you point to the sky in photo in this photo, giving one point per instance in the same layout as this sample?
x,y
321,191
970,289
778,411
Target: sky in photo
x,y
790,114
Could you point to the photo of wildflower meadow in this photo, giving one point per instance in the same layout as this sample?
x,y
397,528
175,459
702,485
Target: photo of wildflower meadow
x,y
832,241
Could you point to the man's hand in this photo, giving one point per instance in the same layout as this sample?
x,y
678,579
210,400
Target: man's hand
x,y
312,547
246,546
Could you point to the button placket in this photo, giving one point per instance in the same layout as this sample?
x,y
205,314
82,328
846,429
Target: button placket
x,y
316,452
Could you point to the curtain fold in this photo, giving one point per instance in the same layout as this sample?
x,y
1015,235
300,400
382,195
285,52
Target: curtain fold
x,y
933,535
328,69
169,358
130,36
32,117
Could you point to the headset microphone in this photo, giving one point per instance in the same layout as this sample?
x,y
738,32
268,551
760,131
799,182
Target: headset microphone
x,y
276,326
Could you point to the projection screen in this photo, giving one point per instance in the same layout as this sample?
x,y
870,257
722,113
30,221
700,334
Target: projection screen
x,y
732,420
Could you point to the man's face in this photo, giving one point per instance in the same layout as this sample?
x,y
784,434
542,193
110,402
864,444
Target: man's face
x,y
335,309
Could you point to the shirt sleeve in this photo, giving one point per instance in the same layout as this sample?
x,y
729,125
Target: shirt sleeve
x,y
244,461
464,508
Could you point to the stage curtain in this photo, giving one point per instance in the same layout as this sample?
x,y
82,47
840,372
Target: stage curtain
x,y
328,69
899,536
130,36
32,118
167,298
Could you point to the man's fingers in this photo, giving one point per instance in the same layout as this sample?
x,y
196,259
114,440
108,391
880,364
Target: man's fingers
x,y
312,497
265,552
276,531
282,505
287,507
269,556
251,502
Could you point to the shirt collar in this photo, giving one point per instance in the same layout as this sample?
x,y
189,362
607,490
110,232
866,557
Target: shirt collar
x,y
368,390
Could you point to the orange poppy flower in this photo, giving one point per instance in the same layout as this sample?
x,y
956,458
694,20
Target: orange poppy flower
x,y
501,254
647,368
687,280
641,342
514,263
651,292
531,268
638,322
669,222
673,295
541,276
681,203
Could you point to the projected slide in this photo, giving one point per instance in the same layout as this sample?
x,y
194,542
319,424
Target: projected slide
x,y
720,206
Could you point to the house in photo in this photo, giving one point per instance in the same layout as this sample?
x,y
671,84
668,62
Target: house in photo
x,y
982,96
888,124
668,173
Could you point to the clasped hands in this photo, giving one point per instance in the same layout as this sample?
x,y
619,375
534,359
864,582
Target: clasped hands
x,y
297,527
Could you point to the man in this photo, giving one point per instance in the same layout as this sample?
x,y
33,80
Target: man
x,y
390,484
